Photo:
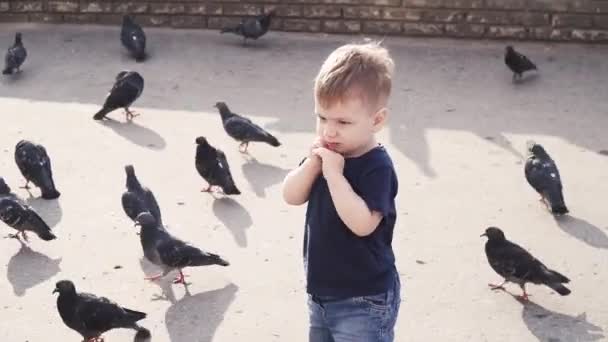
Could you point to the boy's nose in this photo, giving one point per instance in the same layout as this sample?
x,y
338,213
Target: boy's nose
x,y
330,131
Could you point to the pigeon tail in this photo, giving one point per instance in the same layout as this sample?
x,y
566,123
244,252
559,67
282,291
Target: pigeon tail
x,y
559,288
270,139
204,259
231,189
47,185
142,335
50,193
46,235
7,71
135,315
102,113
556,202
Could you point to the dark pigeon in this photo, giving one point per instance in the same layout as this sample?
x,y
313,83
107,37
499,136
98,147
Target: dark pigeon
x,y
22,217
133,38
517,62
91,316
138,198
15,56
518,266
170,253
242,129
542,174
212,165
127,88
252,27
35,166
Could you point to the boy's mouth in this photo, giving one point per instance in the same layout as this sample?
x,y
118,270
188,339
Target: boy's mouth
x,y
332,146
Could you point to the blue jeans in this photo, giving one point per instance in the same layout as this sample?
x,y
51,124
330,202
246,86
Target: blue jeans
x,y
355,319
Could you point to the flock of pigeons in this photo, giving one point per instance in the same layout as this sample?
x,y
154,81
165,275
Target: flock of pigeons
x,y
91,315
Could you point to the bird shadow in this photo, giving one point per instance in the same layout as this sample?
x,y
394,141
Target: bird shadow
x,y
49,210
552,326
583,230
234,216
197,317
28,268
136,133
527,80
165,284
261,176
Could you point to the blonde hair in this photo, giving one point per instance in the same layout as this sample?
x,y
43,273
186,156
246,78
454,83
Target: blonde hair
x,y
355,70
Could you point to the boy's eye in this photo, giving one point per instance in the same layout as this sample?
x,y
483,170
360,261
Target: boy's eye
x,y
322,118
342,122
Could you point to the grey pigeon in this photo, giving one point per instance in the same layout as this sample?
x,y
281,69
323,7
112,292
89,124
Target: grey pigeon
x,y
517,62
138,198
127,88
243,129
542,174
91,316
252,27
170,253
212,165
517,265
22,217
15,56
35,166
133,38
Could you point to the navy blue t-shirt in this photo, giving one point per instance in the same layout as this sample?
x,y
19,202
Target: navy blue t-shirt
x,y
339,263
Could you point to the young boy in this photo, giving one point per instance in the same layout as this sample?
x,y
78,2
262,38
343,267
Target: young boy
x,y
350,184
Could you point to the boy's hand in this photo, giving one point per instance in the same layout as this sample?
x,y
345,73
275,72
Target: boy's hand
x,y
332,162
318,142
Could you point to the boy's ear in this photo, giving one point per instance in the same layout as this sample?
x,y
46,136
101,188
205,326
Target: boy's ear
x,y
380,118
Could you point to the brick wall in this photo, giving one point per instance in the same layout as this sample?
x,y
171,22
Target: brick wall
x,y
580,20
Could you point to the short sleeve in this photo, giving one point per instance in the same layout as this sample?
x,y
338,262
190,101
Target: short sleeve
x,y
378,189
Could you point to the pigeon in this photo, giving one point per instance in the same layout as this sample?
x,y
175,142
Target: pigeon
x,y
22,217
35,166
252,27
133,38
15,56
212,165
91,316
127,88
517,62
518,266
138,198
242,129
168,252
542,174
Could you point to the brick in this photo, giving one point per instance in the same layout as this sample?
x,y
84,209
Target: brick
x,y
531,19
422,29
362,12
27,6
506,5
167,8
188,21
276,24
490,17
46,17
465,30
560,34
80,18
199,8
153,20
302,25
540,33
402,14
341,26
221,22
95,6
393,3
381,27
448,16
130,7
514,32
12,17
63,6
312,11
284,10
4,6
600,21
109,19
468,4
590,35
572,20
241,9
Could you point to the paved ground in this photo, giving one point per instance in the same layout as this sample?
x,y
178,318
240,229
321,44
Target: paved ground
x,y
457,133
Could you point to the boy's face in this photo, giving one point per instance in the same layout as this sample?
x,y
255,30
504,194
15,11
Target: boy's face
x,y
348,127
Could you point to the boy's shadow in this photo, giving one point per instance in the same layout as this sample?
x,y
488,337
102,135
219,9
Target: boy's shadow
x,y
196,317
261,176
583,230
29,268
553,326
49,210
235,217
136,133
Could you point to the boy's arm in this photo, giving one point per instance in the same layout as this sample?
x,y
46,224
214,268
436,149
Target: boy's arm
x,y
298,182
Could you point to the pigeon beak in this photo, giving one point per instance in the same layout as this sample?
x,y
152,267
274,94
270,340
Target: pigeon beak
x,y
484,234
55,290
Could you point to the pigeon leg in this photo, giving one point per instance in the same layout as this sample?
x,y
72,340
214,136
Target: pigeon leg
x,y
243,144
207,189
130,114
27,184
180,279
155,277
24,236
498,287
525,295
